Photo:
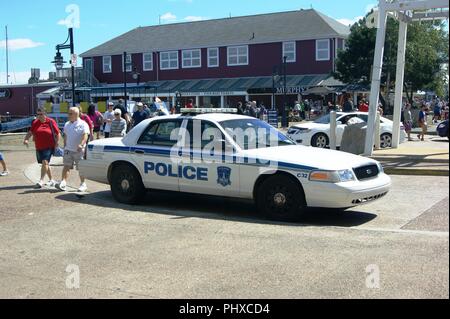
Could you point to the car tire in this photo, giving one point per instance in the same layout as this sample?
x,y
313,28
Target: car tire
x,y
126,185
386,141
320,141
281,198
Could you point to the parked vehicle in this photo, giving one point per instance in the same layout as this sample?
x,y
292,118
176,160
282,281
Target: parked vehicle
x,y
317,133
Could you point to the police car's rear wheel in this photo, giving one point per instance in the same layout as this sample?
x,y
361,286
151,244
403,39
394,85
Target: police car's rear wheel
x,y
280,197
126,185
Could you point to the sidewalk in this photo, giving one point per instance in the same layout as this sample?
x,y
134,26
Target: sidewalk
x,y
429,158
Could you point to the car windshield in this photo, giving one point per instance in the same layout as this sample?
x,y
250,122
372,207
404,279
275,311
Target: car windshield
x,y
323,120
254,133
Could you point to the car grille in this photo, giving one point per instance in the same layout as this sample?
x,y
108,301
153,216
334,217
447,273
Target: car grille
x,y
366,172
368,199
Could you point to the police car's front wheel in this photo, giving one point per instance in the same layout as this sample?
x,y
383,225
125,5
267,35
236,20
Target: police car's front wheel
x,y
126,184
280,197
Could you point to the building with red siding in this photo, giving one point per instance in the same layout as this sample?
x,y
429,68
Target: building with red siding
x,y
220,61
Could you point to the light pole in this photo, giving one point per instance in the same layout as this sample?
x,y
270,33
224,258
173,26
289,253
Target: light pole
x,y
59,60
284,117
275,80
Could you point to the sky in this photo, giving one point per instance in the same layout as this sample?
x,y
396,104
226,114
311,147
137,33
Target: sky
x,y
36,27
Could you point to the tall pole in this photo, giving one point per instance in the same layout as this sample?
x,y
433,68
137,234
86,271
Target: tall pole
x,y
376,79
7,56
284,117
125,79
72,52
400,77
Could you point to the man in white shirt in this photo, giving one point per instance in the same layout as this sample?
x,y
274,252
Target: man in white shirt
x,y
76,133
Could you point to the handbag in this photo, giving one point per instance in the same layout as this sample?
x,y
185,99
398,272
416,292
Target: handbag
x,y
57,151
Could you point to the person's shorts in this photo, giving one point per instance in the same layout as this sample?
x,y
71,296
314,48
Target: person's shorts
x,y
96,129
44,155
1,157
408,126
424,128
72,159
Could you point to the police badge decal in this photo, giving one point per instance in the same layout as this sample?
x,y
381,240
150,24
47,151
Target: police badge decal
x,y
224,176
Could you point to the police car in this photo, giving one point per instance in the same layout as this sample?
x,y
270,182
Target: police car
x,y
217,152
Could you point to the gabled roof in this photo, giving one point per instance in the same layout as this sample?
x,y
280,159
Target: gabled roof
x,y
263,28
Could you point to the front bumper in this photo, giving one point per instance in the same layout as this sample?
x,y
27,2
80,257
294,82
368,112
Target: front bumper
x,y
346,195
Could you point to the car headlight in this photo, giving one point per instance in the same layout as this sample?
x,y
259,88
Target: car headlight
x,y
332,176
346,175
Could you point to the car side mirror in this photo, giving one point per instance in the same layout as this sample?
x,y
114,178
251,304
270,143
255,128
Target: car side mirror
x,y
339,123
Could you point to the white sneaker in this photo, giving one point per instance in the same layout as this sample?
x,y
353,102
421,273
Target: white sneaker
x,y
4,173
61,186
51,183
40,184
83,188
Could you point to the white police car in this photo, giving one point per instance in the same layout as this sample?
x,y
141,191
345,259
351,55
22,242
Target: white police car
x,y
217,152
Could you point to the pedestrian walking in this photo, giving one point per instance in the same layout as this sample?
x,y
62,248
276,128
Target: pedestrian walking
x,y
96,118
76,134
118,125
88,121
140,115
437,111
3,163
108,118
408,120
423,122
46,135
363,106
123,110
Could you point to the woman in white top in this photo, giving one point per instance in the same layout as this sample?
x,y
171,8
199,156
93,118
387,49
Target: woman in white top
x,y
109,117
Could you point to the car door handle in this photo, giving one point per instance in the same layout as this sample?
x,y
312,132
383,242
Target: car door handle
x,y
140,152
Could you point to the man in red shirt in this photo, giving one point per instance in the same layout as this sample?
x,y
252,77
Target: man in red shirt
x,y
190,104
46,136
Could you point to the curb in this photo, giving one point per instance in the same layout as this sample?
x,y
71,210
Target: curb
x,y
416,172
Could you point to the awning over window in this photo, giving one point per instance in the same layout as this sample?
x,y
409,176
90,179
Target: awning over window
x,y
216,87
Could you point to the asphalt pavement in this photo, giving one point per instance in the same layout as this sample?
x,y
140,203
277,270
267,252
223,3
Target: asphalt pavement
x,y
191,246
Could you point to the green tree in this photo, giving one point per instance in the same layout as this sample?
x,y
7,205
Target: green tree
x,y
427,50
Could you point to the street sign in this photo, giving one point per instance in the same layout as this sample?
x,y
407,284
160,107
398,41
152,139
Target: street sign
x,y
74,60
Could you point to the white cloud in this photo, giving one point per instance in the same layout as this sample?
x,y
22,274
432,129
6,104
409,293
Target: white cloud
x,y
167,17
19,44
194,18
350,22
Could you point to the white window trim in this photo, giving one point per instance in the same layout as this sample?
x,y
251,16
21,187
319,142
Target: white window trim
x,y
218,58
161,61
191,67
131,62
328,50
295,50
110,64
143,61
237,47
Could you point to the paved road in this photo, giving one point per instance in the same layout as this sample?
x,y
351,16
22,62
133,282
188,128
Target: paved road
x,y
186,246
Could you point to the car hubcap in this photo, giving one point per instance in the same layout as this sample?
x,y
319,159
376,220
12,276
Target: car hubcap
x,y
125,185
386,141
321,142
279,199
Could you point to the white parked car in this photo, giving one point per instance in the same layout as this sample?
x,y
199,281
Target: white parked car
x,y
244,158
317,133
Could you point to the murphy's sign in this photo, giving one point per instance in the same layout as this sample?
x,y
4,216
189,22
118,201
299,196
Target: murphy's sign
x,y
5,94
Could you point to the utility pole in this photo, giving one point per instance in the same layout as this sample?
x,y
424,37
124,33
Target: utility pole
x,y
7,56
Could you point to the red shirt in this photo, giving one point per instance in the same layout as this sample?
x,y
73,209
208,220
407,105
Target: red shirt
x,y
42,133
94,119
86,118
189,106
